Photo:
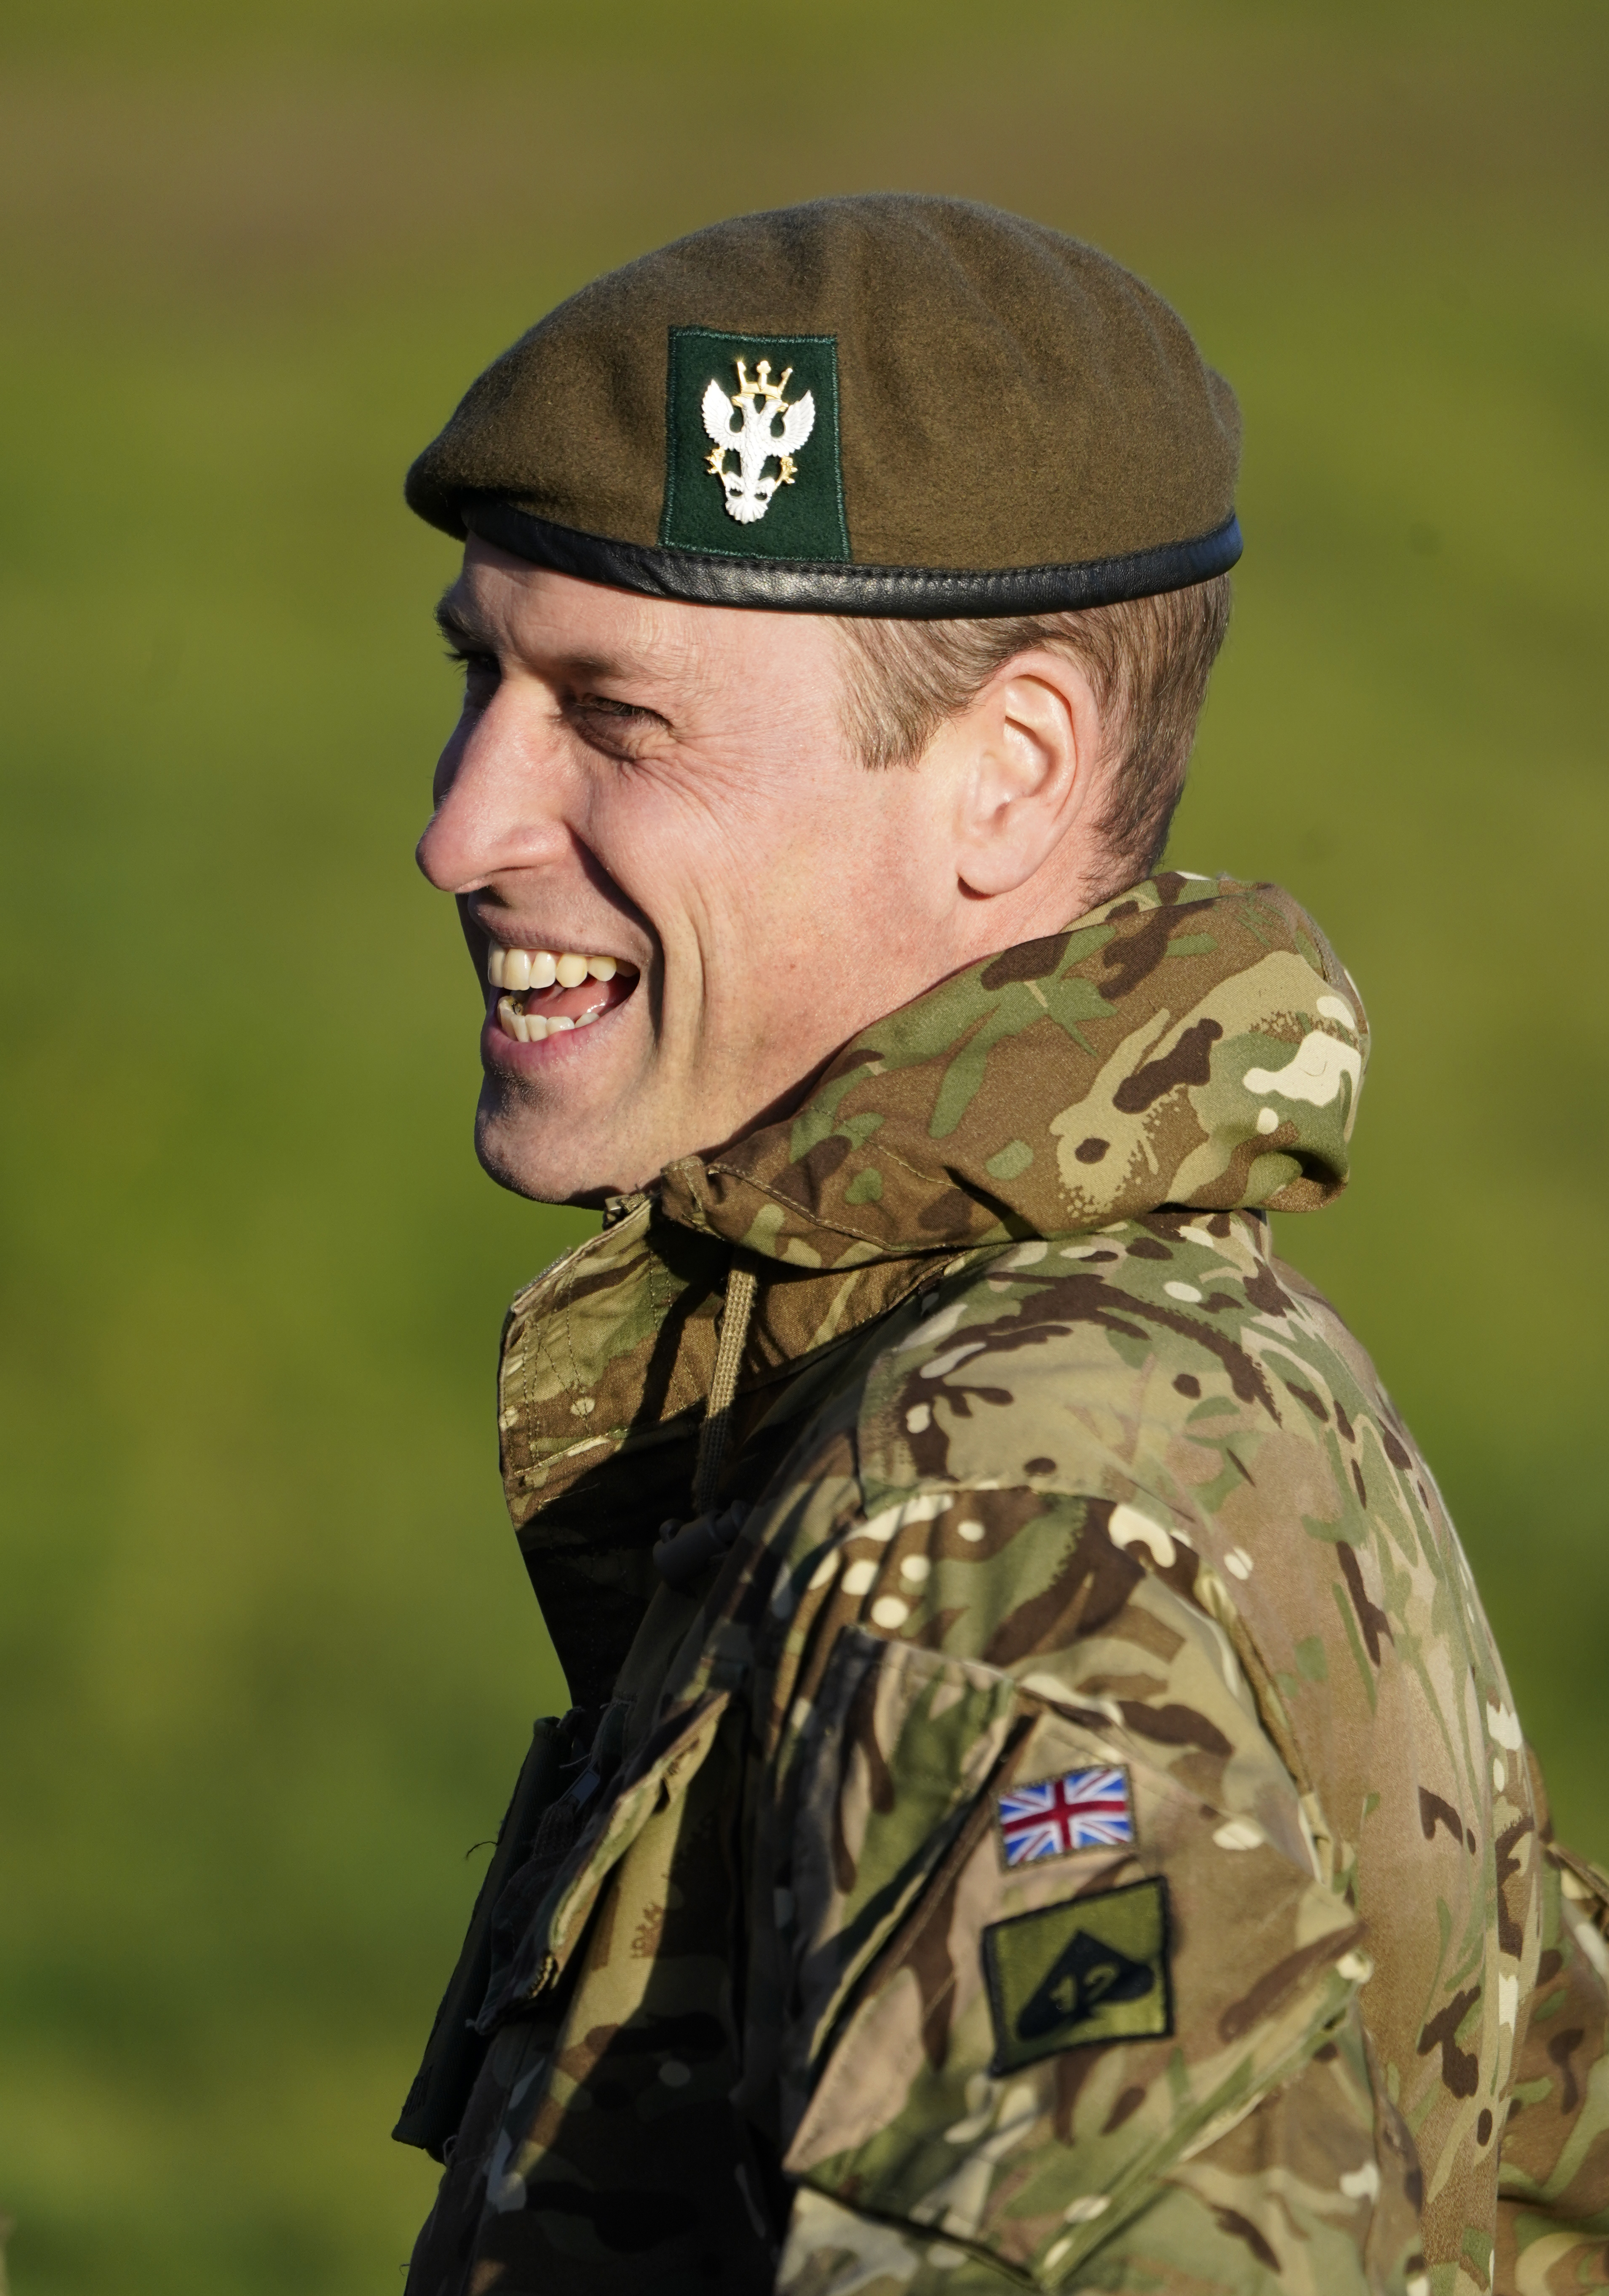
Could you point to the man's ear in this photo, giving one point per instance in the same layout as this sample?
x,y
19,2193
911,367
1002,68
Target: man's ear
x,y
1028,771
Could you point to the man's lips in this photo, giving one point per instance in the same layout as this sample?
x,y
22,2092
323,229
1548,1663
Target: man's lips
x,y
548,992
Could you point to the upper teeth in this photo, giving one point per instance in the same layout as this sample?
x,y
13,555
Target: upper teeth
x,y
540,968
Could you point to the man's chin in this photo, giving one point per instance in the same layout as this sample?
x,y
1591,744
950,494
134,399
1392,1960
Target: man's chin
x,y
540,1158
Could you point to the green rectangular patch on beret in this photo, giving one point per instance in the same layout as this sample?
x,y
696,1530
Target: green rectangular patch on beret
x,y
751,459
1073,1976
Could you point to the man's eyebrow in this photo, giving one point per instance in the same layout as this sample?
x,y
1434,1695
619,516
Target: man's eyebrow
x,y
601,669
461,627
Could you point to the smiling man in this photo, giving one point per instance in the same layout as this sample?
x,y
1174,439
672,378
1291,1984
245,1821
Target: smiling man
x,y
670,797
1040,1804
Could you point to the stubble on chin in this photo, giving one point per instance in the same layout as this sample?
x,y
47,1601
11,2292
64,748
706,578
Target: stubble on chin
x,y
538,1153
515,1145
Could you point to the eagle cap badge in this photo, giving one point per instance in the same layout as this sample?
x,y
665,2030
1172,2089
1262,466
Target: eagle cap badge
x,y
753,461
770,429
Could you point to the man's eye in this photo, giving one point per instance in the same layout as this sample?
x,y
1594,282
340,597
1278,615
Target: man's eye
x,y
603,705
612,724
480,673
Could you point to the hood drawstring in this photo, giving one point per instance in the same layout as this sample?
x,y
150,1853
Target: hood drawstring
x,y
742,1287
685,1548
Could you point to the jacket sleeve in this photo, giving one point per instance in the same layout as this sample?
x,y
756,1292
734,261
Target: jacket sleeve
x,y
1070,2003
1553,2195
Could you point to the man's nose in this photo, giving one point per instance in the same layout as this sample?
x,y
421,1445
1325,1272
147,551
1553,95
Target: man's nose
x,y
499,795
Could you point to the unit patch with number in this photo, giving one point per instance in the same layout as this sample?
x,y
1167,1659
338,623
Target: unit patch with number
x,y
1082,1809
1071,1976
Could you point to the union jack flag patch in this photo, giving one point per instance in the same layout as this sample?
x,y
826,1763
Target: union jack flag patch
x,y
1084,1809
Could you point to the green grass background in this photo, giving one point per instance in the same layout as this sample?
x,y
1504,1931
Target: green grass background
x,y
267,1654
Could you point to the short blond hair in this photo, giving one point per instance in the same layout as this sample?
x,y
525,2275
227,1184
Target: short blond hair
x,y
1147,660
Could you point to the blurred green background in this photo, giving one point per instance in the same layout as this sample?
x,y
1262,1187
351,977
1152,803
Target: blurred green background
x,y
267,1654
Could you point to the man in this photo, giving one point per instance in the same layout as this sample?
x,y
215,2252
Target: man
x,y
1042,1805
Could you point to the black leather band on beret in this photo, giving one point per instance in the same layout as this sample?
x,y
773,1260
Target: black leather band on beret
x,y
797,587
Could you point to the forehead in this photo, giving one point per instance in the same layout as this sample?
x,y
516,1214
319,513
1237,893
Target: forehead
x,y
532,610
552,621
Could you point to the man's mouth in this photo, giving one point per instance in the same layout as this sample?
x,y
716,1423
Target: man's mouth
x,y
548,992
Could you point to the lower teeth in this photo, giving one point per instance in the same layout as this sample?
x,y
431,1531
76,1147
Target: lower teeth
x,y
532,1028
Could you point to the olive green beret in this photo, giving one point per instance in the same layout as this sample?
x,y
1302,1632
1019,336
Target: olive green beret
x,y
880,404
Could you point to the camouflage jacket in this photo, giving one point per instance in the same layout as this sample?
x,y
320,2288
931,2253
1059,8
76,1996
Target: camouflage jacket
x,y
1073,1831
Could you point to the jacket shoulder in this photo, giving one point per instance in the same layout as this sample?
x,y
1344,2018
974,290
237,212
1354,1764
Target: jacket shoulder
x,y
1172,1366
1164,1394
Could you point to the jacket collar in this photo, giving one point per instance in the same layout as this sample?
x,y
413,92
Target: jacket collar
x,y
1192,1041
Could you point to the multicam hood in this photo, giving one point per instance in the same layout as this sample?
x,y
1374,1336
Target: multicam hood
x,y
1195,1041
